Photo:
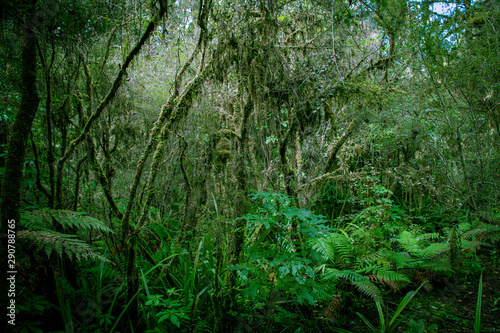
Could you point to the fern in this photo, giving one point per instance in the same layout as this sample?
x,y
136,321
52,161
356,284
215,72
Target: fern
x,y
380,258
40,233
43,219
51,241
363,284
385,275
470,238
434,250
416,245
421,253
336,245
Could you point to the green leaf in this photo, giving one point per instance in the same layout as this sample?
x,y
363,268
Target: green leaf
x,y
477,321
175,320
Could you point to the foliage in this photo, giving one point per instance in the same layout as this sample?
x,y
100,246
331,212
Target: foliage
x,y
52,241
378,119
41,234
278,260
390,324
168,310
49,219
477,321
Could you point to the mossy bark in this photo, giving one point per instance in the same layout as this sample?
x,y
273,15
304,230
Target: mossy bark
x,y
48,114
13,176
335,147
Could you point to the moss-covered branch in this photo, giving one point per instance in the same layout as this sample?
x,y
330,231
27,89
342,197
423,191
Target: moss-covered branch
x,y
109,97
103,180
334,148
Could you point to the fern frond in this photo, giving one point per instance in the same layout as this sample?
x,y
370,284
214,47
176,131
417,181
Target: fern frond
x,y
427,236
335,247
51,241
472,246
375,279
377,257
332,309
342,245
475,234
408,242
440,265
389,275
434,249
42,219
346,274
367,288
385,276
364,285
400,260
321,246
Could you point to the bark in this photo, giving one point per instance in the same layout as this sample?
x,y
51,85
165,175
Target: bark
x,y
12,181
48,104
286,169
335,147
187,216
101,176
236,248
39,185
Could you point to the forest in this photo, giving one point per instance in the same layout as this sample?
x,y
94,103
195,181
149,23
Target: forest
x,y
250,166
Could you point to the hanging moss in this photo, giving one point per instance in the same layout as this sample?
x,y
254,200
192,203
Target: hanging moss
x,y
223,147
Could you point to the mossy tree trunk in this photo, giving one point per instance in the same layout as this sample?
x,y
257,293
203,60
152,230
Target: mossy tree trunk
x,y
13,175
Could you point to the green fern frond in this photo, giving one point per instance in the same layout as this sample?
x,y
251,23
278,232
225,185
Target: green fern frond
x,y
42,219
408,242
39,221
366,287
376,258
335,247
434,249
472,245
401,260
475,233
390,278
321,246
427,236
340,244
51,241
439,265
346,274
363,284
384,274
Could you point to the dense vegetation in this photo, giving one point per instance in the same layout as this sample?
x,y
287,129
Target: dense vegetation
x,y
250,166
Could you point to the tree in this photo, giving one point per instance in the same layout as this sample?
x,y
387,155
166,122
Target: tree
x,y
14,163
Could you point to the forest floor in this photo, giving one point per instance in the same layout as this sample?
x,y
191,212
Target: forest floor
x,y
452,307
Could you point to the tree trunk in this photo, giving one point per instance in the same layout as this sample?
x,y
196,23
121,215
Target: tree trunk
x,y
13,176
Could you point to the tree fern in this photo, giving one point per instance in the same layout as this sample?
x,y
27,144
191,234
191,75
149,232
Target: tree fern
x,y
43,219
51,241
40,233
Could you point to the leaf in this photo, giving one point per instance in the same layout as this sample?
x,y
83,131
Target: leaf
x,y
477,321
175,320
164,317
49,241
